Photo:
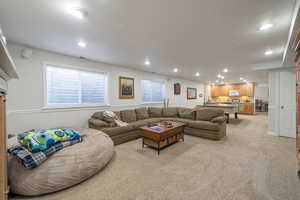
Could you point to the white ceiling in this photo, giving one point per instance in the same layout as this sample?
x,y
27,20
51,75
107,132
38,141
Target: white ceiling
x,y
193,35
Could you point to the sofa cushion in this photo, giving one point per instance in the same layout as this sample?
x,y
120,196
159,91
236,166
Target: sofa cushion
x,y
97,123
141,113
219,120
186,113
170,112
204,125
118,130
128,116
207,114
155,112
182,120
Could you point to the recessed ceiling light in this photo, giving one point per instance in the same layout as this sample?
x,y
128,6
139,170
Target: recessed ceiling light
x,y
147,62
197,74
77,12
268,52
219,76
244,80
265,26
225,70
81,44
222,77
241,78
175,70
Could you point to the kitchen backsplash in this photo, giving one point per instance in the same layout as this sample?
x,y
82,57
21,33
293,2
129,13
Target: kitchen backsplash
x,y
242,99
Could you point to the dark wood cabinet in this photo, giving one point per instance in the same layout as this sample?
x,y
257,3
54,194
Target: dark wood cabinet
x,y
298,108
3,153
296,47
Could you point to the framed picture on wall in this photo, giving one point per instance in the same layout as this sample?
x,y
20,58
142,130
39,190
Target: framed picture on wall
x,y
126,87
191,93
177,89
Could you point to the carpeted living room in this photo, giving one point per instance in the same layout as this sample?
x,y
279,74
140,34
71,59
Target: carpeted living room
x,y
145,100
247,164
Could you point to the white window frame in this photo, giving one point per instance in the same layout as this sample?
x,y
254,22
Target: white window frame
x,y
59,106
154,102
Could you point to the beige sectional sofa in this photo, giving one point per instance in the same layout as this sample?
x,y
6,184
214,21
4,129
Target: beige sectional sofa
x,y
205,122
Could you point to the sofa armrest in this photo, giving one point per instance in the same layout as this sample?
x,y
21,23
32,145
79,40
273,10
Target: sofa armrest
x,y
219,120
97,123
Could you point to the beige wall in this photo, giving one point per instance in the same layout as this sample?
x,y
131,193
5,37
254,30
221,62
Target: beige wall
x,y
26,95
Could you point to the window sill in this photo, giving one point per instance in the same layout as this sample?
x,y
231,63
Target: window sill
x,y
153,102
74,107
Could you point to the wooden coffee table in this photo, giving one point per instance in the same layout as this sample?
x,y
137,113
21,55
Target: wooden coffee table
x,y
159,139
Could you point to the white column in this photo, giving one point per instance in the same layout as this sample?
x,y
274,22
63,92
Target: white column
x,y
273,114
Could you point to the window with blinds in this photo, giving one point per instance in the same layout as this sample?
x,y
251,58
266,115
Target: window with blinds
x,y
153,91
67,87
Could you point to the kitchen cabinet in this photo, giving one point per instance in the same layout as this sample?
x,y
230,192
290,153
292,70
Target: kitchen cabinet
x,y
219,90
213,91
235,87
223,90
246,90
246,108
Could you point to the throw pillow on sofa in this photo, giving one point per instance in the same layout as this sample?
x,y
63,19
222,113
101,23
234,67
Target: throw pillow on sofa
x,y
186,113
155,112
141,113
109,119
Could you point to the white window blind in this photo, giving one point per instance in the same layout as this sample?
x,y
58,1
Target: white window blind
x,y
69,87
153,91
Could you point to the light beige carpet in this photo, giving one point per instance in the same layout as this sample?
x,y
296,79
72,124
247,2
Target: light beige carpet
x,y
247,165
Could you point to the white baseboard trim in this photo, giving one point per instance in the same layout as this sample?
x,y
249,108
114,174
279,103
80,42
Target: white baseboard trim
x,y
272,133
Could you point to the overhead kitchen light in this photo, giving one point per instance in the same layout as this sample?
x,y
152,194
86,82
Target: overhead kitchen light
x,y
225,70
147,62
268,52
219,76
265,26
175,70
78,13
197,74
241,78
81,44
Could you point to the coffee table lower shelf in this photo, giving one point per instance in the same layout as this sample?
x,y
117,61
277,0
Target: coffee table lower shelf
x,y
161,144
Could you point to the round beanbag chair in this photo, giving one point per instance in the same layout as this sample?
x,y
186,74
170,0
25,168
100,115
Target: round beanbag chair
x,y
65,168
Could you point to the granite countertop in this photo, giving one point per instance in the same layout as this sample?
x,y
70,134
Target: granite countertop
x,y
220,105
